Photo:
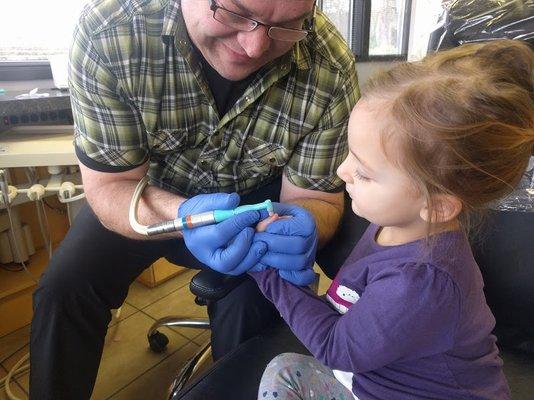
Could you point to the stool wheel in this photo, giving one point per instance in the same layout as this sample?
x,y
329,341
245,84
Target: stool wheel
x,y
158,342
201,301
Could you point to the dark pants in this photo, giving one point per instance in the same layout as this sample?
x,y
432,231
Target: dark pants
x,y
89,275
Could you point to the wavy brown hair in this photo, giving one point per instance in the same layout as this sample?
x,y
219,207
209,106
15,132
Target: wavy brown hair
x,y
464,119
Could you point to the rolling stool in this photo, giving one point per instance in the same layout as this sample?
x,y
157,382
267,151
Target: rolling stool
x,y
207,285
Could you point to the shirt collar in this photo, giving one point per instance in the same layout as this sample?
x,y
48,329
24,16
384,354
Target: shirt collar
x,y
301,55
172,18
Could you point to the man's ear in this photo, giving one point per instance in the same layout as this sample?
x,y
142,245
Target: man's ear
x,y
445,208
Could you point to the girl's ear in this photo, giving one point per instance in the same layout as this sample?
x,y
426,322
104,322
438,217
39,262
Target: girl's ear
x,y
445,208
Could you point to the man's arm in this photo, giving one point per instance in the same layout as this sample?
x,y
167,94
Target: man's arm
x,y
109,195
327,208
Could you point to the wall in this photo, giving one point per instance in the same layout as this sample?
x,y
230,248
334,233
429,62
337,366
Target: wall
x,y
367,69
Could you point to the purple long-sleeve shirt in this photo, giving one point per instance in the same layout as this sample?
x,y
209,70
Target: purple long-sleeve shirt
x,y
399,323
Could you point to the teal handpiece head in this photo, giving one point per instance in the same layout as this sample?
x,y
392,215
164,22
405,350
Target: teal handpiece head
x,y
221,215
207,218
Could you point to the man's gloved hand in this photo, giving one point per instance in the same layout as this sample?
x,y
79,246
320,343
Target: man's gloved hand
x,y
292,244
226,247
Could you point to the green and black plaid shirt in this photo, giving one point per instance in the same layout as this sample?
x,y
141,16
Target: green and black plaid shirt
x,y
135,99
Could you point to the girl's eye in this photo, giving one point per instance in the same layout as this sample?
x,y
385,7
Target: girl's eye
x,y
360,176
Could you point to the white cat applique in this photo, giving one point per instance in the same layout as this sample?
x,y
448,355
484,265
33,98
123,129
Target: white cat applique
x,y
341,297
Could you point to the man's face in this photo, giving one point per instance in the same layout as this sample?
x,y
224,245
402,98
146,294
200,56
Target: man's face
x,y
235,54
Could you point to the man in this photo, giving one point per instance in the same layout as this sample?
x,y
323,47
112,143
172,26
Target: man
x,y
208,97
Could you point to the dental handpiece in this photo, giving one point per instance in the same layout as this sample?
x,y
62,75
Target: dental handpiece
x,y
203,219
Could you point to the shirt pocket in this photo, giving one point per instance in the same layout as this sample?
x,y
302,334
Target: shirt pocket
x,y
261,158
165,141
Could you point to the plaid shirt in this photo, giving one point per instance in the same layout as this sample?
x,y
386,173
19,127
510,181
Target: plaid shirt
x,y
138,94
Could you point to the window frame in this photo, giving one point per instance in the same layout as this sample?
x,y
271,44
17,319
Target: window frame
x,y
360,31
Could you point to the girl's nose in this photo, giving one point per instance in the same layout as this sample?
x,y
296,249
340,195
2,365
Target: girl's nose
x,y
344,173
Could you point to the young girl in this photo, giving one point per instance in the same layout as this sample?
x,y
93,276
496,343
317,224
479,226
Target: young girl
x,y
430,143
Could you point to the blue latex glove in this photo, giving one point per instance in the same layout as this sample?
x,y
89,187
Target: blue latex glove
x,y
227,247
292,244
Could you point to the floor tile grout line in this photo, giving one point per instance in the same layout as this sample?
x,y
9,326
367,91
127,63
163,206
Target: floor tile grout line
x,y
20,348
12,354
156,300
178,333
149,369
18,329
123,319
200,344
131,305
201,331
22,387
14,380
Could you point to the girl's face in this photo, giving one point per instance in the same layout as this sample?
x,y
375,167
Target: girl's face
x,y
380,191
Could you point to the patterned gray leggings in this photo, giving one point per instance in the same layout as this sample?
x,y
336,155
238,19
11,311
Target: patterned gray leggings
x,y
294,376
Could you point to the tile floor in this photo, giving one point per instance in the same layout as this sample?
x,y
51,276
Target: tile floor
x,y
129,370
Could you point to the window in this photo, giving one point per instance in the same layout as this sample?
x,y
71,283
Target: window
x,y
386,30
375,29
427,13
340,13
37,28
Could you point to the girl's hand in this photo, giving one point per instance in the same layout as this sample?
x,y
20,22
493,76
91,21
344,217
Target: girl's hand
x,y
262,225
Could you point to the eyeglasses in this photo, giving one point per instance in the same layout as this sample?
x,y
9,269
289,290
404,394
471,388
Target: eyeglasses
x,y
244,24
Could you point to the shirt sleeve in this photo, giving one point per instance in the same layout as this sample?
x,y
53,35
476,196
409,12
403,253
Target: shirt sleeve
x,y
316,157
109,133
409,313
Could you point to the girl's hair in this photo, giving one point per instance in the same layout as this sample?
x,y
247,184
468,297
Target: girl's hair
x,y
464,120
